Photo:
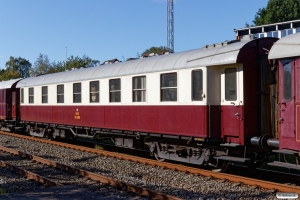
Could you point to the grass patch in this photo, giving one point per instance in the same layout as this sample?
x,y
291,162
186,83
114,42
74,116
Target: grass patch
x,y
2,191
99,147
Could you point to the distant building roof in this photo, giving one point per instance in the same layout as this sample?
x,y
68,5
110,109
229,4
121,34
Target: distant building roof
x,y
277,30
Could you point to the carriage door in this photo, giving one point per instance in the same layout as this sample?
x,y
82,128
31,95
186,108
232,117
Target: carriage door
x,y
286,103
13,106
231,104
297,85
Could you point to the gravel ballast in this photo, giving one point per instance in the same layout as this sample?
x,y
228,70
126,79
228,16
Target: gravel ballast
x,y
186,186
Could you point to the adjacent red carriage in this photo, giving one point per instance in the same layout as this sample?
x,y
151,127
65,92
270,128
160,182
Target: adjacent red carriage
x,y
285,55
9,104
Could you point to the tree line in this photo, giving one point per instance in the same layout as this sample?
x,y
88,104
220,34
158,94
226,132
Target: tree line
x,y
277,11
18,67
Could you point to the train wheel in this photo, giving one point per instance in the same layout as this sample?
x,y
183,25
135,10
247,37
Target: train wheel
x,y
221,166
158,158
50,135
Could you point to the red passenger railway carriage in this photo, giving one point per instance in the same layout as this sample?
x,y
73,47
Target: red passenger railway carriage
x,y
9,104
285,55
196,106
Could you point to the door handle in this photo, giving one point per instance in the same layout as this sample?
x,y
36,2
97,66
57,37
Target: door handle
x,y
281,119
238,116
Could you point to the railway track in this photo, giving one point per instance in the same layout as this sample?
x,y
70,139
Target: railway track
x,y
42,170
238,179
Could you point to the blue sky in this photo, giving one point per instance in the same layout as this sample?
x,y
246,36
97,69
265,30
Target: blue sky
x,y
107,29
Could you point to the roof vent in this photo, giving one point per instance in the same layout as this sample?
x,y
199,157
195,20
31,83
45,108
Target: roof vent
x,y
115,60
247,37
128,59
154,54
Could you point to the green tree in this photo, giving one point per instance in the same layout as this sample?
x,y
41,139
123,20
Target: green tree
x,y
156,50
41,66
277,11
18,65
73,63
7,75
77,62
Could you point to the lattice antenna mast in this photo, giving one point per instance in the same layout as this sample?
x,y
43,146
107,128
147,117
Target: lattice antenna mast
x,y
170,21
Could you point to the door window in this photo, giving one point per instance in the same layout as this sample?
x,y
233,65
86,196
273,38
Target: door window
x,y
230,84
197,85
287,79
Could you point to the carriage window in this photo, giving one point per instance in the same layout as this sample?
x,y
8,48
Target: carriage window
x,y
77,93
168,84
60,93
22,95
45,94
115,90
230,84
31,95
287,79
197,85
94,91
139,89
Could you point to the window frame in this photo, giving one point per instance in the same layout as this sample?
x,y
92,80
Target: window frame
x,y
96,93
236,85
22,95
118,91
163,88
139,91
60,94
44,95
201,87
31,100
77,93
287,85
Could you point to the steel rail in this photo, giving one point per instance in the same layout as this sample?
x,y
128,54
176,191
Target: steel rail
x,y
217,175
43,180
93,176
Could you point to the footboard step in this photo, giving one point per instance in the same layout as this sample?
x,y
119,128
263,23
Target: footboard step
x,y
234,159
285,165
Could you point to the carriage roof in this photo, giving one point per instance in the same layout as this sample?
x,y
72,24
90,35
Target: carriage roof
x,y
222,53
9,83
288,46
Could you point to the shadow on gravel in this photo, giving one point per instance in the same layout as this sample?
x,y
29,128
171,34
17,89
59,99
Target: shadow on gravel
x,y
97,170
11,147
64,192
221,194
85,159
49,157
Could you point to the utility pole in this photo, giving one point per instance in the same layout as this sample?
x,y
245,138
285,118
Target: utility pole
x,y
170,28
